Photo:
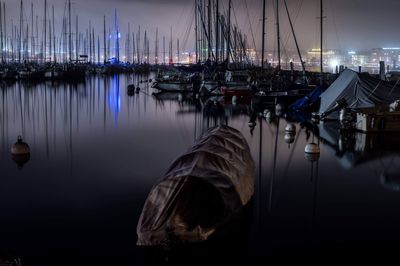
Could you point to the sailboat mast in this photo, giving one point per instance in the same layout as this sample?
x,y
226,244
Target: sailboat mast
x,y
278,35
20,33
117,37
89,38
263,37
209,29
138,47
50,41
32,32
322,37
1,35
217,32
69,32
45,31
105,39
196,28
94,46
76,39
98,49
177,48
128,44
228,49
54,37
170,49
5,29
133,48
164,50
156,55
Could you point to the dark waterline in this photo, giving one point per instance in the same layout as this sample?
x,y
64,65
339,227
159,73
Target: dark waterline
x,y
96,153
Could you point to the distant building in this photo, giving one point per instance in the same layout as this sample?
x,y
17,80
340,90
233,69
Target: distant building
x,y
331,59
391,56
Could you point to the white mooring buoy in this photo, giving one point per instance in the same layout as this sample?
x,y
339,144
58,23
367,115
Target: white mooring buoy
x,y
180,97
290,128
279,109
312,152
234,99
289,137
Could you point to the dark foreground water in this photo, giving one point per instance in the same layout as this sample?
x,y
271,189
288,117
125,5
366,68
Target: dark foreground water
x,y
96,152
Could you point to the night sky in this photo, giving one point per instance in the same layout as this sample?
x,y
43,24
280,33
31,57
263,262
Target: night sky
x,y
350,24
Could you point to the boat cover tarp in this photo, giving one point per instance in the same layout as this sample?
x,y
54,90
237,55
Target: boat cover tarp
x,y
359,90
201,192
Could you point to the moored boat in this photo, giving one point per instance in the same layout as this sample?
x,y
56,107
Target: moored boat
x,y
201,193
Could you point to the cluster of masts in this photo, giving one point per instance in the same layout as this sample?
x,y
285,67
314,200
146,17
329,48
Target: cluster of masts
x,y
217,39
35,39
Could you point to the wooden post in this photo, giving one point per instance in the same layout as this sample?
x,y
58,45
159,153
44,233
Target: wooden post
x,y
382,70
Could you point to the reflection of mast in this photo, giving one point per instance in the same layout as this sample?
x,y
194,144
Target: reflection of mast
x,y
46,121
312,154
55,121
314,178
274,166
104,104
20,108
3,126
260,172
70,123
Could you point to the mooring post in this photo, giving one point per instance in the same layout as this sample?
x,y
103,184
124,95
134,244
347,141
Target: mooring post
x,y
382,70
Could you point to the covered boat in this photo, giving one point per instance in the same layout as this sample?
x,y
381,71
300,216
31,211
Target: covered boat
x,y
202,192
357,90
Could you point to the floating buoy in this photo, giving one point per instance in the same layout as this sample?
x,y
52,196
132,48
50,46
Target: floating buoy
x,y
20,147
234,99
290,128
20,152
131,90
289,137
279,109
268,117
312,152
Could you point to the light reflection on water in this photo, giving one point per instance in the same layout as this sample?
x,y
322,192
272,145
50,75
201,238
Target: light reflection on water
x,y
96,152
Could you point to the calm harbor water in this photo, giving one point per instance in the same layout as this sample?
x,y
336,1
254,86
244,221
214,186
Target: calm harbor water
x,y
96,153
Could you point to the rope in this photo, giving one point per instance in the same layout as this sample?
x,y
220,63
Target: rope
x,y
251,28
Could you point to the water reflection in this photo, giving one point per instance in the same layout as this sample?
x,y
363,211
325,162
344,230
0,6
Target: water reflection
x,y
354,149
96,151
